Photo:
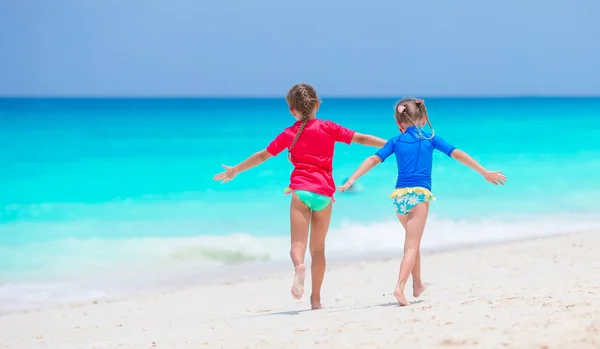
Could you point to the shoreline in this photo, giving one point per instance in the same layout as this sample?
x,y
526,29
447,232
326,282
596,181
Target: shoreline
x,y
245,272
541,293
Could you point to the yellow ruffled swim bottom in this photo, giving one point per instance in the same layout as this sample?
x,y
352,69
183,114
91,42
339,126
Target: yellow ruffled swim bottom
x,y
406,199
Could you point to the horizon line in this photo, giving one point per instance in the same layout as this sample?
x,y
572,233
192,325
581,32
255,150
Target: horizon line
x,y
283,96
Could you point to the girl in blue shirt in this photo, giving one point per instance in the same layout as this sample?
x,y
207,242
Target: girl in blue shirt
x,y
413,148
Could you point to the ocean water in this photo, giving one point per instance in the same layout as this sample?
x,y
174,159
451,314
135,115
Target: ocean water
x,y
99,197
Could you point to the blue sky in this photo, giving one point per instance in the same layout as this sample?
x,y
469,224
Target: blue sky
x,y
250,48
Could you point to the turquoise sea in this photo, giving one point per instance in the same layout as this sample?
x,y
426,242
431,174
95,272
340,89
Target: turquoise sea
x,y
99,197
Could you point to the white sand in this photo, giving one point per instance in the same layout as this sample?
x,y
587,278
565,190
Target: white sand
x,y
536,294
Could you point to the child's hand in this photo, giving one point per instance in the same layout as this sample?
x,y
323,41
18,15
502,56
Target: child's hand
x,y
224,177
494,177
347,185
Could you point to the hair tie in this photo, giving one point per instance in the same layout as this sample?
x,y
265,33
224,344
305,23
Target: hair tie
x,y
420,101
401,109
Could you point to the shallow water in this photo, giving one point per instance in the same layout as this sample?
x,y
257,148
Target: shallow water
x,y
94,191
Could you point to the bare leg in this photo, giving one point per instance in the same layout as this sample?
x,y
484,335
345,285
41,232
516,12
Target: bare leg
x,y
418,285
415,224
318,233
299,221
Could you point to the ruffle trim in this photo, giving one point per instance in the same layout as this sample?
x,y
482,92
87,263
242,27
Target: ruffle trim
x,y
420,190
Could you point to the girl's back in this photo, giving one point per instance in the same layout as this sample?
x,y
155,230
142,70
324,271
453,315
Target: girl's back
x,y
312,154
414,156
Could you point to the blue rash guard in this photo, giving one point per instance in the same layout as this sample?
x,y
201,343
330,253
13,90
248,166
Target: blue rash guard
x,y
414,156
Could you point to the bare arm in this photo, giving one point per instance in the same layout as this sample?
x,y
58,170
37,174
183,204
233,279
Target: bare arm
x,y
252,161
365,139
468,161
365,167
494,177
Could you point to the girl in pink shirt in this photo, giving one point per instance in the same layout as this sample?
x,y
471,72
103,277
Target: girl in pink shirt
x,y
310,143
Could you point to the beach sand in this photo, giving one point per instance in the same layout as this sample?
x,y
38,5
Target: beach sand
x,y
543,293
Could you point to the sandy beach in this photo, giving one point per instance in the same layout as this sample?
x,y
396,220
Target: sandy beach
x,y
542,293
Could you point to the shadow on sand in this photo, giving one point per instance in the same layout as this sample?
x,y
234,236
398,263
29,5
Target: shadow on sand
x,y
328,309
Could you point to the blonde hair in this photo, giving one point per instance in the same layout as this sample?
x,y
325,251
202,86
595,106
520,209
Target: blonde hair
x,y
303,98
410,109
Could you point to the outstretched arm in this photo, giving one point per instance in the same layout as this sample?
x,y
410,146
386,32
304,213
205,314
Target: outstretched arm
x,y
365,139
365,167
252,161
494,177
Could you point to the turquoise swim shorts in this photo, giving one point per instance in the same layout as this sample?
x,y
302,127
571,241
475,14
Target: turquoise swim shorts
x,y
405,199
315,202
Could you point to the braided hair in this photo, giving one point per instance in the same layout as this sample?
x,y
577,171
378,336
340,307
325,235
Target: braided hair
x,y
303,98
410,109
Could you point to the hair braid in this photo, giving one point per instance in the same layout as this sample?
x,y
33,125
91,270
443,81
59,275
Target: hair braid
x,y
300,129
423,109
303,98
307,102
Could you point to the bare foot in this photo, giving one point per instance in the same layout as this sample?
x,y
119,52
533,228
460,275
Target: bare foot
x,y
399,294
315,304
298,285
419,289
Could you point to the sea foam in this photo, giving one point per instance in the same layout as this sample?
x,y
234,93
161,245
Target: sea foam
x,y
73,270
